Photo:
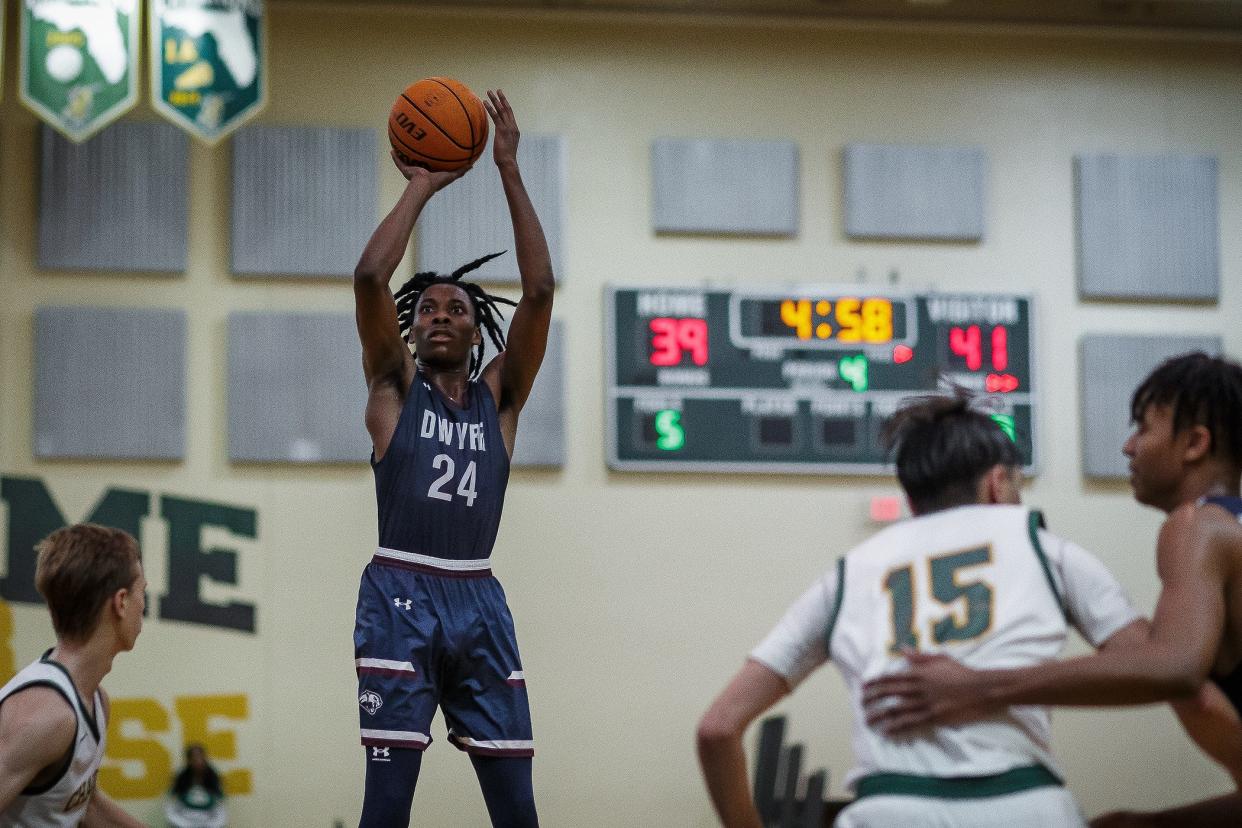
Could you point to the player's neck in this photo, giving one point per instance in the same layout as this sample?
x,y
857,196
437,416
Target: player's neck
x,y
1206,481
87,662
451,381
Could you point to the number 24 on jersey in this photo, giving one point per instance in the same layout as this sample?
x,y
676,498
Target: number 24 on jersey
x,y
465,487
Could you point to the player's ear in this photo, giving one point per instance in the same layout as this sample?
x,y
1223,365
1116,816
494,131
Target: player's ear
x,y
999,485
120,599
1198,443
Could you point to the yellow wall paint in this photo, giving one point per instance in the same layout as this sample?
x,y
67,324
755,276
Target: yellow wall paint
x,y
636,595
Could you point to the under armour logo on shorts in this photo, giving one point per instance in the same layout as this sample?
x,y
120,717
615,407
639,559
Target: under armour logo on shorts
x,y
370,701
399,605
379,754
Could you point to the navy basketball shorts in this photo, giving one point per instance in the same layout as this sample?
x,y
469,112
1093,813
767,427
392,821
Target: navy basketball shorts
x,y
424,638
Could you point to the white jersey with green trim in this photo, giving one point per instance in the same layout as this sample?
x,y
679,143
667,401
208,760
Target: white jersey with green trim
x,y
62,801
983,584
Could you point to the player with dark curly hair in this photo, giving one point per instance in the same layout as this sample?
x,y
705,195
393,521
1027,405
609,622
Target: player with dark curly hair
x,y
433,628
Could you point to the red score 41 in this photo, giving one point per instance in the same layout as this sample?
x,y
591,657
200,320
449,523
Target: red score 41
x,y
967,344
672,338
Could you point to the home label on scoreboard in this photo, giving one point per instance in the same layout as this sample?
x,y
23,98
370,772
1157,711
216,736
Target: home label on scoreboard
x,y
800,379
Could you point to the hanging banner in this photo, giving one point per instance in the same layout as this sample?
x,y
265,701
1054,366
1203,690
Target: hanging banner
x,y
79,62
208,72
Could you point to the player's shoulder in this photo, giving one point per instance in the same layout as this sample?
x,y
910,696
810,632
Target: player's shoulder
x,y
38,711
1197,531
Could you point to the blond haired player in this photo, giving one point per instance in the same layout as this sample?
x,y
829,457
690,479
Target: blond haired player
x,y
972,573
53,713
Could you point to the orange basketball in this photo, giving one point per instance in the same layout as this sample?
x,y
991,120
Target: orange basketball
x,y
438,123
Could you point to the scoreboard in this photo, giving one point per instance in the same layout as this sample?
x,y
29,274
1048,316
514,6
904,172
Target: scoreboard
x,y
801,379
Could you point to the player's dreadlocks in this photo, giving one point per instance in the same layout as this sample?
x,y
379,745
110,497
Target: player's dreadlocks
x,y
1202,390
944,446
486,312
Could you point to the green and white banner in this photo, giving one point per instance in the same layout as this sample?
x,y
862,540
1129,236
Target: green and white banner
x,y
79,62
208,63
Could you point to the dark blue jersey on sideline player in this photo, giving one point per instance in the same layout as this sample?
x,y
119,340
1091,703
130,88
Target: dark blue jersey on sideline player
x,y
1231,683
440,487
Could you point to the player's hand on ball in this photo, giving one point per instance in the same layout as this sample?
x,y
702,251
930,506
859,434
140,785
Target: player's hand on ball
x,y
505,144
933,690
437,179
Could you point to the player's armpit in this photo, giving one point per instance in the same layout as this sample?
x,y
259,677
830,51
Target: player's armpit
x,y
37,728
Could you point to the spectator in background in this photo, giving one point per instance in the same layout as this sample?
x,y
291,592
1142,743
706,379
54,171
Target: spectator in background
x,y
197,798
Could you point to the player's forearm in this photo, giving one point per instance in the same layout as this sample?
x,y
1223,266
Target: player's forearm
x,y
724,770
533,257
102,812
388,243
1105,679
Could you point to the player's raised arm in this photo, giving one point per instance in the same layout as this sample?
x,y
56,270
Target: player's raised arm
x,y
528,333
385,354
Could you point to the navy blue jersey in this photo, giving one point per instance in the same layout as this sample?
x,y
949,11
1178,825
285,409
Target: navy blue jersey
x,y
440,487
1228,503
1230,683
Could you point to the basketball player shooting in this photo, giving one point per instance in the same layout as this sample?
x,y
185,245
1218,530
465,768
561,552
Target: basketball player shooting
x,y
433,628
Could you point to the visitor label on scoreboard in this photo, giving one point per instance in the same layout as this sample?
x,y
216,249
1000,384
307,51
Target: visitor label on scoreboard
x,y
208,71
79,62
801,379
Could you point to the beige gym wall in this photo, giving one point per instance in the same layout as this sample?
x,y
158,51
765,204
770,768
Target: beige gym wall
x,y
636,596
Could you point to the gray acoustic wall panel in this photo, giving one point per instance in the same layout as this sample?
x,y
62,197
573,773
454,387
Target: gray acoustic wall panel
x,y
725,186
296,391
541,428
109,383
304,200
1147,227
914,192
117,202
1112,367
470,217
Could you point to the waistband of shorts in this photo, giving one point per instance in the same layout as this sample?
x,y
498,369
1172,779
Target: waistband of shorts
x,y
1011,781
448,567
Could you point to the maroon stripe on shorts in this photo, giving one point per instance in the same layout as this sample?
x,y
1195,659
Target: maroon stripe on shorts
x,y
385,671
370,741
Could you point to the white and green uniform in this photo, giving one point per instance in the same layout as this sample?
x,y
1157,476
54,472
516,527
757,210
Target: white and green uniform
x,y
988,586
61,803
